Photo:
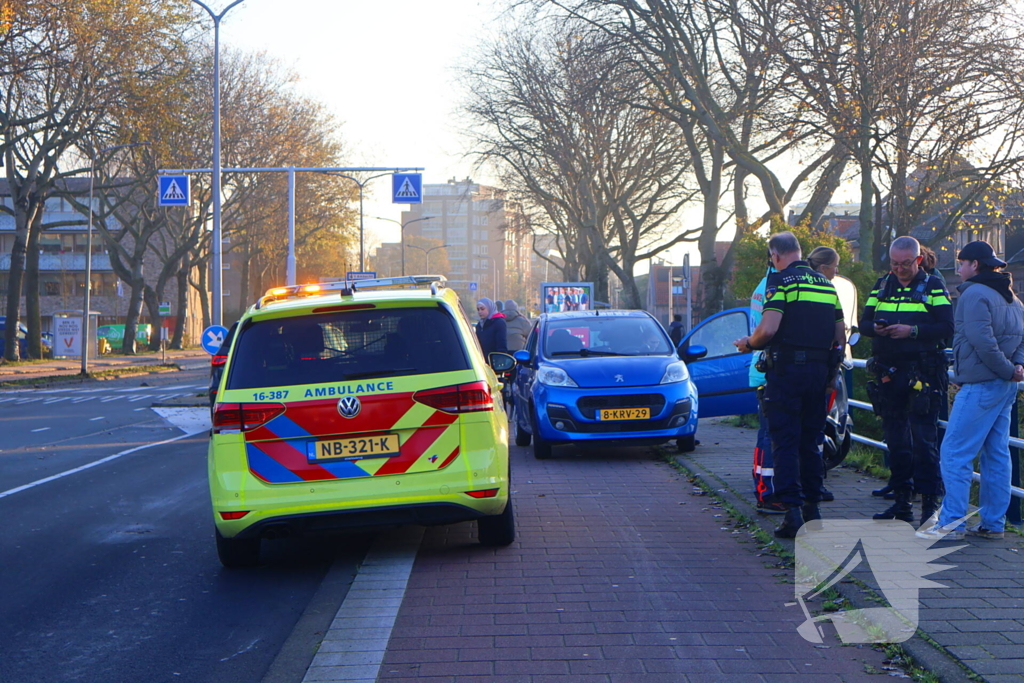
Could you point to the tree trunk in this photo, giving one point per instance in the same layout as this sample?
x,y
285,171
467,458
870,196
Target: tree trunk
x,y
712,277
152,298
179,322
131,319
32,317
15,283
867,234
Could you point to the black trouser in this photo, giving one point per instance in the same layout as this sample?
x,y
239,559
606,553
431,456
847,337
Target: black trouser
x,y
911,424
796,405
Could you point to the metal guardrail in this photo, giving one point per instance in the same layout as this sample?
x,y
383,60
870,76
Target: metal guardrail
x,y
1015,442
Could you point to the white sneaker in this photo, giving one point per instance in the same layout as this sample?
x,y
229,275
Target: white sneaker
x,y
937,532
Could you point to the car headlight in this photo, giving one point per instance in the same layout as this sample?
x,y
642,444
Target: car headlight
x,y
675,372
554,377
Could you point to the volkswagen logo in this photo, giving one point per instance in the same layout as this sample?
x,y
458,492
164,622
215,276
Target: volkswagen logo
x,y
349,406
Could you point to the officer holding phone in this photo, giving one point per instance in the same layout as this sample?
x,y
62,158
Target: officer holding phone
x,y
910,317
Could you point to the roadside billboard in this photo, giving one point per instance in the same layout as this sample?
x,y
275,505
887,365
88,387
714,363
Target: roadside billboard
x,y
566,296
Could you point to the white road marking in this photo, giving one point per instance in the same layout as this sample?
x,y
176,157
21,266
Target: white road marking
x,y
187,419
56,400
133,399
11,492
41,429
96,418
354,646
108,399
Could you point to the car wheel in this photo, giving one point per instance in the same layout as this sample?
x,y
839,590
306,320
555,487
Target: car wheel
x,y
686,444
497,530
541,448
238,552
522,438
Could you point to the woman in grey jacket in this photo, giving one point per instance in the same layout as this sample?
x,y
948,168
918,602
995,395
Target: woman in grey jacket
x,y
988,356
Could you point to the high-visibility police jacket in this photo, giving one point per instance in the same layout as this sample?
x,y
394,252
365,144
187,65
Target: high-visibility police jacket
x,y
923,304
809,306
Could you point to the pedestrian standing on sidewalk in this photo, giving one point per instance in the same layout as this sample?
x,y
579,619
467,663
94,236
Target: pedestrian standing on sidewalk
x,y
518,327
988,361
910,316
676,329
490,330
764,465
804,331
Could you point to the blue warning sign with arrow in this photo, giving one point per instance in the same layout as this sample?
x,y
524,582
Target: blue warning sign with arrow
x,y
407,188
173,190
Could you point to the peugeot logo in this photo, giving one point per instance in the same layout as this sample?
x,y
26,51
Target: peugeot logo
x,y
620,378
349,406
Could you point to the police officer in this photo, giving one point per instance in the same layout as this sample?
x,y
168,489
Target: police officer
x,y
910,316
802,328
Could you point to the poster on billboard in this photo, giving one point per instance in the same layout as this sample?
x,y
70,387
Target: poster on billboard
x,y
67,336
556,297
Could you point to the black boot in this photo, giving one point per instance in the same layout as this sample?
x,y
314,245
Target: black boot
x,y
901,509
794,520
929,506
811,512
885,492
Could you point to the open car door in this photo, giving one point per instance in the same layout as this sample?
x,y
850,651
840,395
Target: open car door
x,y
721,375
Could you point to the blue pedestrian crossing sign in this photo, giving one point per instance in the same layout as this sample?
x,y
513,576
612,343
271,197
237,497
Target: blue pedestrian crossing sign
x,y
472,286
213,337
173,190
407,188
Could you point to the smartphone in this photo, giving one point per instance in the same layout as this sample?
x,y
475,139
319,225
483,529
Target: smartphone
x,y
881,322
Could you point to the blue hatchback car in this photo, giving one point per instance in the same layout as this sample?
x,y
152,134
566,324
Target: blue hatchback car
x,y
602,378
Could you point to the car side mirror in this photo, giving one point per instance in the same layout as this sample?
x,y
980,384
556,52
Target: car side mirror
x,y
693,352
501,362
522,357
854,336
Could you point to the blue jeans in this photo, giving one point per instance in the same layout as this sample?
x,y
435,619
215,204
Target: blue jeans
x,y
979,421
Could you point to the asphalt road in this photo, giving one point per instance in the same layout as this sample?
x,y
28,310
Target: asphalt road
x,y
108,571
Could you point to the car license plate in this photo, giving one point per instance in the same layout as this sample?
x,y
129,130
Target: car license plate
x,y
607,414
377,446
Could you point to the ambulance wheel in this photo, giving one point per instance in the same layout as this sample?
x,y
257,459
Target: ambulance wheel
x,y
686,444
497,530
522,438
237,553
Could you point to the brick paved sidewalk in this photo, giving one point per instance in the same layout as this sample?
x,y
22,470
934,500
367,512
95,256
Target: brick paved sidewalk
x,y
978,618
620,573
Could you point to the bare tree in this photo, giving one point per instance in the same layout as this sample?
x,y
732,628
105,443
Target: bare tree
x,y
76,63
553,108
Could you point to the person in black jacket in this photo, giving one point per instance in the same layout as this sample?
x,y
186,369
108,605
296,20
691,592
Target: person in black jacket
x,y
491,330
909,317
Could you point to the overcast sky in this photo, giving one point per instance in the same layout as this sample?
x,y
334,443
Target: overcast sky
x,y
387,70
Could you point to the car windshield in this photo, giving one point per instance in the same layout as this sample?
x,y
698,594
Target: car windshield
x,y
606,336
346,345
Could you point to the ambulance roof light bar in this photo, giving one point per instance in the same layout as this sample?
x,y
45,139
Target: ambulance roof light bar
x,y
349,287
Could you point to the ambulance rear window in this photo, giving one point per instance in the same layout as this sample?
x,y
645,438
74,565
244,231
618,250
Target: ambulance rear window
x,y
346,345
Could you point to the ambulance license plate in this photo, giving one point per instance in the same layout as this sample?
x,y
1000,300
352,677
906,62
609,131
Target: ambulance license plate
x,y
611,414
377,446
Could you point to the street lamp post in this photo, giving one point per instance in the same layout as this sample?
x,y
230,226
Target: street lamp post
x,y
402,226
427,252
87,303
361,184
218,256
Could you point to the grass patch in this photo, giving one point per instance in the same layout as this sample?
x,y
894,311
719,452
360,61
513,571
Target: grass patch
x,y
127,371
746,421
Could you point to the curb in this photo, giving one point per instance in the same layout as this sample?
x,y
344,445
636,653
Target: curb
x,y
924,654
